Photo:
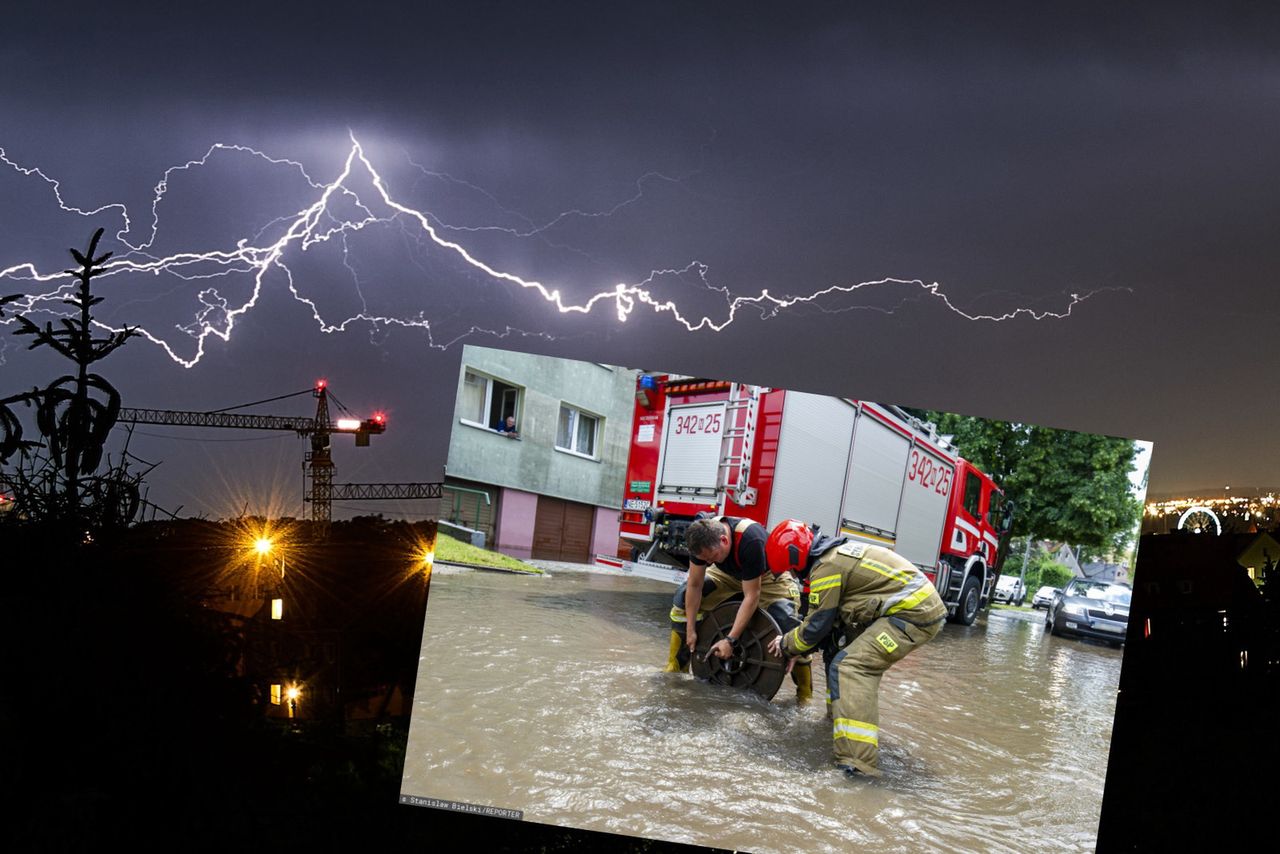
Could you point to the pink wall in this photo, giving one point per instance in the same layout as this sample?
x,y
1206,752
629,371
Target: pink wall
x,y
604,536
516,511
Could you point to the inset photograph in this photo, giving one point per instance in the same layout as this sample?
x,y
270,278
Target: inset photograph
x,y
703,611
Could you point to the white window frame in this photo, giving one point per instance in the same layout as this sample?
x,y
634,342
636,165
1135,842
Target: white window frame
x,y
488,397
575,412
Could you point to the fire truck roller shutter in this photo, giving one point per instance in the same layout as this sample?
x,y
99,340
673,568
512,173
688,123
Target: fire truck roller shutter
x,y
813,455
923,514
877,472
691,451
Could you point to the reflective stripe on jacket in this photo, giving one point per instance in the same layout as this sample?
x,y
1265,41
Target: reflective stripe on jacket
x,y
853,584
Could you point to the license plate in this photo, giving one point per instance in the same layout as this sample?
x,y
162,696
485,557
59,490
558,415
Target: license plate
x,y
635,504
1108,627
1072,625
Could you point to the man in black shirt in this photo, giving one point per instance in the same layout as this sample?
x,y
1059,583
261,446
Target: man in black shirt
x,y
726,559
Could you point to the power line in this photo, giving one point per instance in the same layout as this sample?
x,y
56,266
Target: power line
x,y
268,400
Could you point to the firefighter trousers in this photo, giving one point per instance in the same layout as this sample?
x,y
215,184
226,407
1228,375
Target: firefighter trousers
x,y
853,684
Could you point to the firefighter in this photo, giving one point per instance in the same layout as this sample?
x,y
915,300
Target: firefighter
x,y
727,559
879,606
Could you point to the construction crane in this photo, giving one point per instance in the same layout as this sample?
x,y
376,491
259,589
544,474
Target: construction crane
x,y
318,461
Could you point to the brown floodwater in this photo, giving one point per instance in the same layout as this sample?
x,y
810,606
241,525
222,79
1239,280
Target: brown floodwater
x,y
545,695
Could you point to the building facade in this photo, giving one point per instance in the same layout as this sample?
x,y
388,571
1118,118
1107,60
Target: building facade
x,y
551,490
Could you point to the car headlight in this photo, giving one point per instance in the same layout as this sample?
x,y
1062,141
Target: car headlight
x,y
1073,608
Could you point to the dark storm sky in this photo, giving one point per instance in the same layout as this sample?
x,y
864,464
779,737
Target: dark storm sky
x,y
1015,156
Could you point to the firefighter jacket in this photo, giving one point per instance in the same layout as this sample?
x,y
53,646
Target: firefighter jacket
x,y
853,584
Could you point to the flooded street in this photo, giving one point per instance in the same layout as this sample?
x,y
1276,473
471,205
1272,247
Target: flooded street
x,y
545,695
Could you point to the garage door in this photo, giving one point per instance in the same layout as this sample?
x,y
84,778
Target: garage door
x,y
562,530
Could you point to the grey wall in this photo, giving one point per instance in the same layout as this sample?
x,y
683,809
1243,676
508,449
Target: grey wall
x,y
532,463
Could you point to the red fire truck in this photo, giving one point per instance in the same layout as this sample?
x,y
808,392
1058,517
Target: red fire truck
x,y
867,471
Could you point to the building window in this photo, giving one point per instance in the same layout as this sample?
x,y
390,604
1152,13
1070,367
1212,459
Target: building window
x,y
577,431
275,695
486,402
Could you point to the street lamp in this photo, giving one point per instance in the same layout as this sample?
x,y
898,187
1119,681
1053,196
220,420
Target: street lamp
x,y
264,546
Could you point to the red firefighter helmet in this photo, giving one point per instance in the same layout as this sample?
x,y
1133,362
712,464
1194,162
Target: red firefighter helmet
x,y
787,549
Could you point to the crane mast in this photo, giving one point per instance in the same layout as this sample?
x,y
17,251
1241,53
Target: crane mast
x,y
319,464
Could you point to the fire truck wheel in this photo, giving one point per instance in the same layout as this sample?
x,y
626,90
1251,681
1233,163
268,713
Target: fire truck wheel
x,y
969,601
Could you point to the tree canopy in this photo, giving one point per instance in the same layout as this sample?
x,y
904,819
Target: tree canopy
x,y
1066,486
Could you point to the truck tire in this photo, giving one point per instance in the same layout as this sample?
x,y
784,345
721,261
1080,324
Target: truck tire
x,y
970,599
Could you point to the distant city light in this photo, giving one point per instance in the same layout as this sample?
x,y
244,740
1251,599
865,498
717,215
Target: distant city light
x,y
1221,510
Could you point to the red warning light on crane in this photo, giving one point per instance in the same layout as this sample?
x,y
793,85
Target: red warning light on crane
x,y
321,384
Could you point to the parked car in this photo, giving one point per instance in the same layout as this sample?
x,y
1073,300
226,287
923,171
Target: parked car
x,y
1010,590
1091,609
1044,597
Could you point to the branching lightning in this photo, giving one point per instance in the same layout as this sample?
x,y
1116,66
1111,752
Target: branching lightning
x,y
318,223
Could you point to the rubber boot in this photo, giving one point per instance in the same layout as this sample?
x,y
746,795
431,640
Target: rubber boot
x,y
802,675
674,663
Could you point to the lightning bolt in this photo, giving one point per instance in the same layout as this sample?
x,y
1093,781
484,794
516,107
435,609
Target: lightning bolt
x,y
320,222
